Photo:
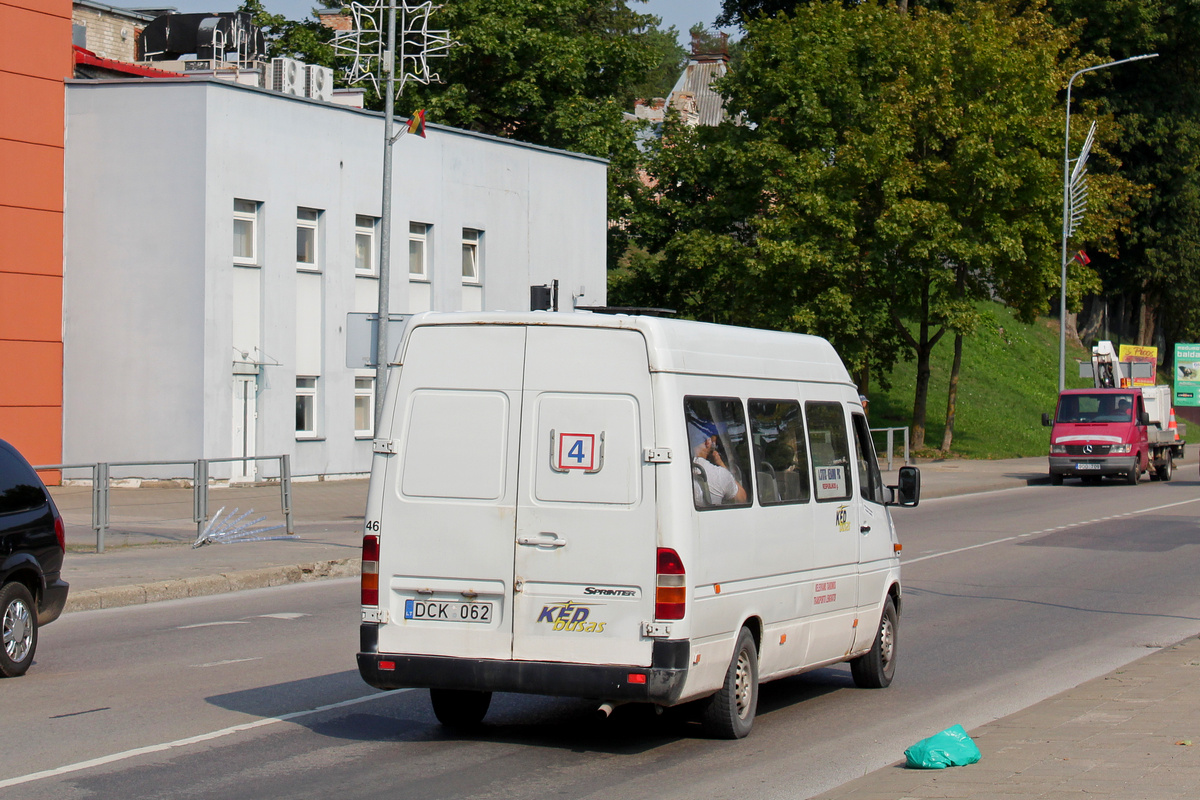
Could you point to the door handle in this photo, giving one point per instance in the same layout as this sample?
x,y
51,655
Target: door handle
x,y
864,529
538,541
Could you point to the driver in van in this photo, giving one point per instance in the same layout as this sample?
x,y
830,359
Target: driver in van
x,y
712,482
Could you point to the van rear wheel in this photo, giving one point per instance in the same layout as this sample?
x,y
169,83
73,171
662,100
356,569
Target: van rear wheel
x,y
459,709
729,713
875,669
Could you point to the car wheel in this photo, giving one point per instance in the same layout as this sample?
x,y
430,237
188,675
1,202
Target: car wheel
x,y
1134,476
459,709
1167,469
18,626
875,669
729,714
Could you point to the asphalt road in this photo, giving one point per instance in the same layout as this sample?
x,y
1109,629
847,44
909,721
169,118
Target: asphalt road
x,y
1010,597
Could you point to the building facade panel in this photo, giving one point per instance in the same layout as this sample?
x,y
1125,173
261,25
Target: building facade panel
x,y
33,112
35,38
31,242
35,58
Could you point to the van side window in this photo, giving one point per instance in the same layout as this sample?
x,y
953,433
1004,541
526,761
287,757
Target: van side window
x,y
830,450
716,430
780,453
870,482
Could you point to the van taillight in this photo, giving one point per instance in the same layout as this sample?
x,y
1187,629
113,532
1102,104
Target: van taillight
x,y
370,570
670,593
60,533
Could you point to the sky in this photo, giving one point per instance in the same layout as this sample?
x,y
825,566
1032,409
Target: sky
x,y
683,14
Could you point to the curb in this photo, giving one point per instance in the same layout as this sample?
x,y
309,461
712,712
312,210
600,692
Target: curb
x,y
138,594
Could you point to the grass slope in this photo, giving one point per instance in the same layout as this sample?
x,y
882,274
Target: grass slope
x,y
1009,377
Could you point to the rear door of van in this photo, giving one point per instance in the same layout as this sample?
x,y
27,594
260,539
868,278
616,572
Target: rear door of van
x,y
585,561
449,497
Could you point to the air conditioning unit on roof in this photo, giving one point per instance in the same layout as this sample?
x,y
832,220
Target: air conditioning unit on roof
x,y
287,76
318,82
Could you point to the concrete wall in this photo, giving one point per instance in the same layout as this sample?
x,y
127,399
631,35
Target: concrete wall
x,y
154,302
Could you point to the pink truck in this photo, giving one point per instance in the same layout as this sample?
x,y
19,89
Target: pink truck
x,y
1113,431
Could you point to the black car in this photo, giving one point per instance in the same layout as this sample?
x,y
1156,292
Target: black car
x,y
32,543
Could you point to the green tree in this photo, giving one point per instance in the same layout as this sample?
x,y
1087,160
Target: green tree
x,y
1155,261
889,170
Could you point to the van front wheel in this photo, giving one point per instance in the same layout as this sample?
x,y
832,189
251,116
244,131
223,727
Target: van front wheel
x,y
459,708
875,669
729,714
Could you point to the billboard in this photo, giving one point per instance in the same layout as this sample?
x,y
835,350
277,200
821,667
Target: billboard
x,y
1187,375
1132,353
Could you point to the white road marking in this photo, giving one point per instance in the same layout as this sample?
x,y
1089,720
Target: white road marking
x,y
1047,530
203,737
282,615
211,624
228,661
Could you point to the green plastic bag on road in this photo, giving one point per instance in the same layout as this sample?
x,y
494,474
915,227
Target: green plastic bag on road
x,y
950,748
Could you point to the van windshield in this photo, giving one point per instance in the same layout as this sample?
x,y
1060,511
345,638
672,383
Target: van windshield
x,y
1095,408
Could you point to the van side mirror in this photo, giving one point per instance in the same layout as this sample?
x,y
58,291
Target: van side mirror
x,y
1045,420
907,492
1144,418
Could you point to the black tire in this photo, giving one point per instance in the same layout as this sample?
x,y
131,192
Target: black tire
x,y
1167,470
1056,479
875,669
1134,476
729,714
459,709
18,629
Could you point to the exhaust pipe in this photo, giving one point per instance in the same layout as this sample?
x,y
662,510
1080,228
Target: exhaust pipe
x,y
606,708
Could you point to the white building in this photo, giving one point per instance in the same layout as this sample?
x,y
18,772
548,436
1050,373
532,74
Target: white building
x,y
218,236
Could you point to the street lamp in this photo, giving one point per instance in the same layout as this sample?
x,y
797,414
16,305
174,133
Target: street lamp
x,y
1066,230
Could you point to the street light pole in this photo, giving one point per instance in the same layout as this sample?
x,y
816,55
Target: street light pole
x,y
1066,229
385,220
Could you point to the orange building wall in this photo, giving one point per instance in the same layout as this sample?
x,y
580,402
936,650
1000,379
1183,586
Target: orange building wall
x,y
35,58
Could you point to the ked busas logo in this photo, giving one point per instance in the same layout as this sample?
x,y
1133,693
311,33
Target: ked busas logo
x,y
570,616
843,518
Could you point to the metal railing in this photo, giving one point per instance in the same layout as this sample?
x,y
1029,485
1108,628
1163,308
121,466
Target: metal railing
x,y
101,481
891,443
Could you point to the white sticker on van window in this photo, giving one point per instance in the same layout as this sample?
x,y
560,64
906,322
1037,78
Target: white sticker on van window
x,y
577,451
831,482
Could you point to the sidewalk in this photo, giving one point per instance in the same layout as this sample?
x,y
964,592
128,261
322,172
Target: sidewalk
x,y
1131,734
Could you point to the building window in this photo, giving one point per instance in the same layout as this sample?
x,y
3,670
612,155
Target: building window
x,y
245,232
470,255
306,407
364,245
364,407
418,240
306,239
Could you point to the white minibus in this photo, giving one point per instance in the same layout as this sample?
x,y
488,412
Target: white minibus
x,y
626,509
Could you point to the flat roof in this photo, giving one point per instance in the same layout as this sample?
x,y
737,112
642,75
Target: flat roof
x,y
211,82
